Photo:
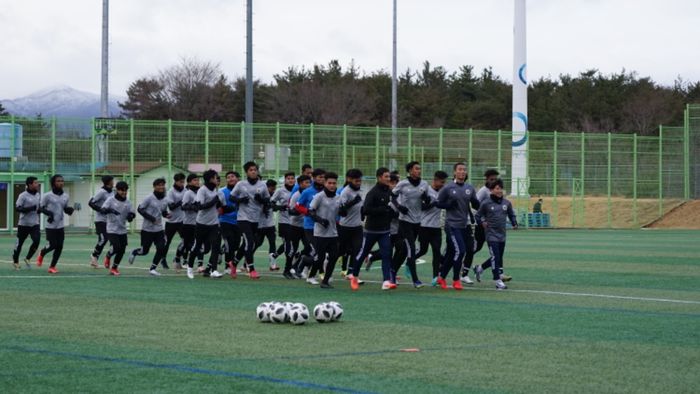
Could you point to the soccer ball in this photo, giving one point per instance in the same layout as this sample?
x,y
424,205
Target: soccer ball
x,y
323,313
298,314
337,310
263,312
288,306
278,313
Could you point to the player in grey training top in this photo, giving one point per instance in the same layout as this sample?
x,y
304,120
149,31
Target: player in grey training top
x,y
493,213
153,208
208,233
408,196
251,195
296,231
190,219
350,224
323,210
430,233
100,219
54,204
27,205
490,175
118,211
280,203
456,198
177,216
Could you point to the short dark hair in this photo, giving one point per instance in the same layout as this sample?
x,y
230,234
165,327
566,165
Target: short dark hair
x,y
234,173
249,164
209,174
271,182
393,178
121,185
190,177
159,181
303,178
411,164
54,178
440,175
381,171
353,173
178,177
305,167
492,185
107,179
318,172
491,172
459,163
30,180
289,173
395,172
331,175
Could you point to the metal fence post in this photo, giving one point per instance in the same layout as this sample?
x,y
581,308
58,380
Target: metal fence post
x,y
440,142
92,167
11,188
170,149
498,154
409,151
277,150
53,145
469,159
609,179
635,221
583,176
661,159
206,144
242,145
554,181
132,187
345,149
686,153
376,148
311,144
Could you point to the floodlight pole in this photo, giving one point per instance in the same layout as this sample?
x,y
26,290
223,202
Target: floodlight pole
x,y
394,96
249,82
104,96
519,141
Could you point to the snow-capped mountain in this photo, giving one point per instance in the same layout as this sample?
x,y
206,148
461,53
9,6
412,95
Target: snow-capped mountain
x,y
60,101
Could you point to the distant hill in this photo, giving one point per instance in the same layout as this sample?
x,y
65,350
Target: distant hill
x,y
60,101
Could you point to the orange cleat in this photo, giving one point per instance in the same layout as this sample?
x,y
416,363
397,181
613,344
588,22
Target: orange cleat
x,y
442,283
114,271
354,283
233,269
53,270
254,274
39,260
107,262
457,285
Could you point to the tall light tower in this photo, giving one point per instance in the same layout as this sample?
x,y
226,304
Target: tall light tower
x,y
104,92
394,96
519,181
249,82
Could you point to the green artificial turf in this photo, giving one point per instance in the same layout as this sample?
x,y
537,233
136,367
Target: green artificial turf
x,y
587,311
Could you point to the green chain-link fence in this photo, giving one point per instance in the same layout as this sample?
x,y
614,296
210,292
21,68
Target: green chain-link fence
x,y
585,179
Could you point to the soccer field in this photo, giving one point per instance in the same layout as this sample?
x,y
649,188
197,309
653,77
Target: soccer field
x,y
587,310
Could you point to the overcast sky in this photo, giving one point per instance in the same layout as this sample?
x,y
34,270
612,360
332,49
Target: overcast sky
x,y
45,43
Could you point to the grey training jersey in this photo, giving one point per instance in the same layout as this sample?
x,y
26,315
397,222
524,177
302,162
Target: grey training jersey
x,y
28,200
431,217
98,199
326,208
495,213
410,197
116,224
267,219
354,216
177,215
251,211
55,204
463,195
483,194
190,217
154,207
281,197
209,216
394,225
295,220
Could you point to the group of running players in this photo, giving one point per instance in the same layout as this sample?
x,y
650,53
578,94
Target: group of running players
x,y
318,222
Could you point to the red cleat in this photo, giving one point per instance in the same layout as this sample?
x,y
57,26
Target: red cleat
x,y
254,274
354,283
107,262
114,271
233,269
442,283
53,270
457,285
39,260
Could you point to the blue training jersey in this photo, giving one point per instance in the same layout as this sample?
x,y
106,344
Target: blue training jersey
x,y
304,200
231,217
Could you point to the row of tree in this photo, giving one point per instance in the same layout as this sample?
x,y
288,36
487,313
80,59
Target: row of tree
x,y
429,97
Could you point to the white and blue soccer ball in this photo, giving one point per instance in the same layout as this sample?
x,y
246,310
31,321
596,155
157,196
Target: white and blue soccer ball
x,y
278,313
337,310
262,312
298,314
323,313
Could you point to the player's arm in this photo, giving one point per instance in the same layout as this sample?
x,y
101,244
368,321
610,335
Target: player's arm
x,y
142,210
511,216
93,202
